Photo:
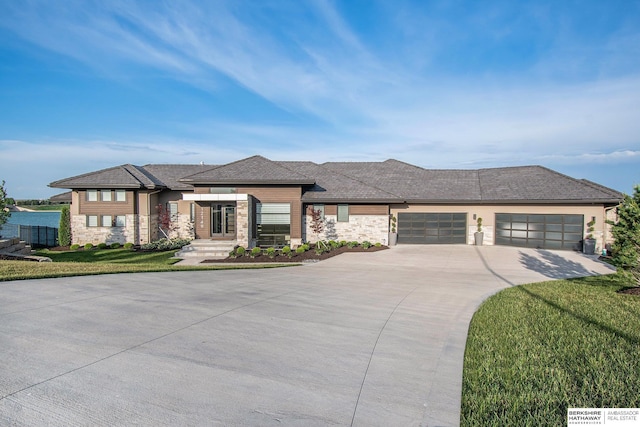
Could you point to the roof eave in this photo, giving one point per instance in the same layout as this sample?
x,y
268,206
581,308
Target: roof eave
x,y
517,201
350,200
103,186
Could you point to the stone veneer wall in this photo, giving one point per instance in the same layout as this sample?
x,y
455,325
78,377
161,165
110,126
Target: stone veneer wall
x,y
242,223
372,228
185,228
81,234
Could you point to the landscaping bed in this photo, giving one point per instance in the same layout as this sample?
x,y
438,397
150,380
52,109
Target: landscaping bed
x,y
307,256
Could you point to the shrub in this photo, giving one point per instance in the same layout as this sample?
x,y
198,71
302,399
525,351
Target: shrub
x,y
366,244
342,243
88,246
165,245
305,246
334,244
286,251
115,245
378,245
240,251
75,247
102,246
271,252
352,244
255,252
300,249
64,229
319,250
128,246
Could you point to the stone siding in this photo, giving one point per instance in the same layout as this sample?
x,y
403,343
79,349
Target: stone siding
x,y
183,228
372,228
81,234
242,223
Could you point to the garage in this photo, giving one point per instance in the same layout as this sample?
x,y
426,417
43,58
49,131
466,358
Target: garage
x,y
432,228
540,230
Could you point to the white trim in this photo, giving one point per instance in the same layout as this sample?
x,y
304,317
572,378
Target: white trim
x,y
206,197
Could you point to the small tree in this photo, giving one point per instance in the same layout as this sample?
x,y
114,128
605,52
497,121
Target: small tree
x,y
4,209
165,222
626,232
317,223
64,229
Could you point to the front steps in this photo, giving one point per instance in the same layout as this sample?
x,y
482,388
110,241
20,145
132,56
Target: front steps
x,y
14,246
204,248
15,249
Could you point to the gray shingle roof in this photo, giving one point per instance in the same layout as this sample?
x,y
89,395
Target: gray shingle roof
x,y
124,176
390,181
252,170
537,184
170,175
332,186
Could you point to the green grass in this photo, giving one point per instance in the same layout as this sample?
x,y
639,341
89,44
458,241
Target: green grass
x,y
535,350
107,261
111,256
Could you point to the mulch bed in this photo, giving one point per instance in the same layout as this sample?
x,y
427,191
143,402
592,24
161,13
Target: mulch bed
x,y
631,291
308,256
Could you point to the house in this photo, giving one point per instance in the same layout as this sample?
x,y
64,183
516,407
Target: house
x,y
261,202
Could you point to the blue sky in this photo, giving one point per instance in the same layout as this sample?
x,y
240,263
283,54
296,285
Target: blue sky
x,y
86,85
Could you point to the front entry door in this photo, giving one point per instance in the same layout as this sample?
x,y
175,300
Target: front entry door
x,y
223,220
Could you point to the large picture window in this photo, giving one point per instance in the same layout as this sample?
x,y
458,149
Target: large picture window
x,y
273,224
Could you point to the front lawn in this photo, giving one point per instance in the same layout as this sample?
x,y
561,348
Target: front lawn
x,y
103,261
111,256
535,350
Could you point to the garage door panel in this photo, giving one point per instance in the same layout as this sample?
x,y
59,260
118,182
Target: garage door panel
x,y
432,228
547,231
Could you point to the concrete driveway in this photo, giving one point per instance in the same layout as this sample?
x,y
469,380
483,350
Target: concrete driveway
x,y
360,339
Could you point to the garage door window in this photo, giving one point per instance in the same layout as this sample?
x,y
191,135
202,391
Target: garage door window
x,y
432,228
539,230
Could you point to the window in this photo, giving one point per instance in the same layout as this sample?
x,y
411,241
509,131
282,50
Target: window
x,y
92,195
343,213
192,212
319,208
106,221
172,207
120,221
273,224
105,195
121,196
92,220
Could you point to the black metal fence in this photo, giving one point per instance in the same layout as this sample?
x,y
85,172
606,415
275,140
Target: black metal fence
x,y
33,235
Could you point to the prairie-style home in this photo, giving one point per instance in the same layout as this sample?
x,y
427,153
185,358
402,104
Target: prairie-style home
x,y
261,202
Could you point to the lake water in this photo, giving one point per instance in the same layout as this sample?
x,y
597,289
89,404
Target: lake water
x,y
45,218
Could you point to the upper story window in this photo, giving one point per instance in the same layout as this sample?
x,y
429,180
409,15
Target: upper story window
x,y
121,196
105,195
92,195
